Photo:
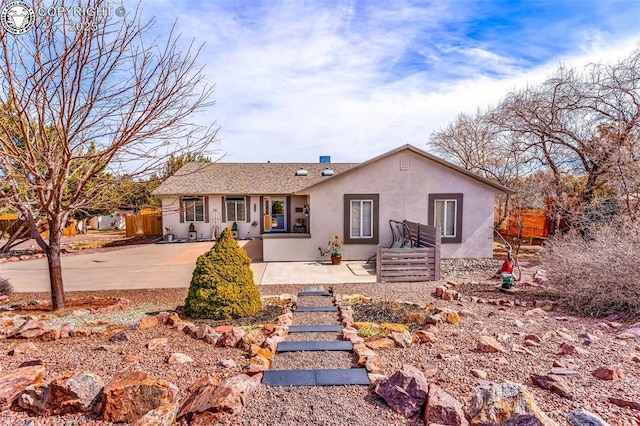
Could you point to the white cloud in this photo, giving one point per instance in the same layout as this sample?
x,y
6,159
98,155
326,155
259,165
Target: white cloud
x,y
296,80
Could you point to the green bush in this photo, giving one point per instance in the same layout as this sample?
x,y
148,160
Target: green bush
x,y
222,285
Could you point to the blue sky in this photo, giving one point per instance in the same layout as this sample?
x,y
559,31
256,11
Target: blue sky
x,y
353,79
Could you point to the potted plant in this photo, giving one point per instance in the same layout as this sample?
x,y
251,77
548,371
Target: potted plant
x,y
168,237
234,230
334,248
192,232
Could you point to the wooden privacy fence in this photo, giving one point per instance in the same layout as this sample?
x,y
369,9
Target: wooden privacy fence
x,y
143,225
418,263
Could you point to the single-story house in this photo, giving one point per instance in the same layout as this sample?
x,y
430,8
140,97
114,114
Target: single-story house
x,y
296,208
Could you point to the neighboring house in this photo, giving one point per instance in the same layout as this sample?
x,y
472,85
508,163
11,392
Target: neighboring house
x,y
296,208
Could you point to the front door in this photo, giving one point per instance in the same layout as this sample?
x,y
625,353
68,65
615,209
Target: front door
x,y
275,218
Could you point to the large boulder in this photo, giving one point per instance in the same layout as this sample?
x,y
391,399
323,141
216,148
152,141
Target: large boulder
x,y
215,403
130,395
405,391
494,404
75,393
585,418
443,409
13,382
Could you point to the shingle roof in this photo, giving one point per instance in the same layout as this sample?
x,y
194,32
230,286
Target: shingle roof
x,y
246,178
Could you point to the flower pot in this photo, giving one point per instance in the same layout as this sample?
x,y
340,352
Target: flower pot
x,y
193,235
168,237
335,260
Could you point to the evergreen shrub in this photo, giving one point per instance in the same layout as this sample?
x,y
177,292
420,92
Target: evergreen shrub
x,y
222,285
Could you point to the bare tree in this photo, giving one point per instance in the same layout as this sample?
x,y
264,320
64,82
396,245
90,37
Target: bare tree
x,y
478,145
577,126
86,99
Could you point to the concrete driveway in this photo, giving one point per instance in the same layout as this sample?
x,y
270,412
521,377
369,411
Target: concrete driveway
x,y
163,266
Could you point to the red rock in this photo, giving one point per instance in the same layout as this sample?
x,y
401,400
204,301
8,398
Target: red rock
x,y
34,398
426,337
148,322
24,349
429,370
380,344
489,344
119,337
76,393
634,405
553,384
13,382
405,391
30,329
231,338
130,395
609,372
223,328
443,409
164,415
228,399
173,319
253,337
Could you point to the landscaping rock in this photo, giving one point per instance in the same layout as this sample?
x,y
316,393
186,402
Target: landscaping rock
x,y
76,393
253,337
178,358
443,409
489,344
148,322
227,399
495,403
634,405
157,343
609,372
380,344
34,398
405,391
231,338
426,337
13,382
24,349
553,384
130,395
164,415
403,340
228,363
478,374
119,337
585,418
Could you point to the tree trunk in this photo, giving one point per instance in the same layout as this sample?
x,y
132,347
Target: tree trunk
x,y
55,265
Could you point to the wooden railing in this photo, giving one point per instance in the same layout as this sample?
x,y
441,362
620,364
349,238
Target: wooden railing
x,y
420,263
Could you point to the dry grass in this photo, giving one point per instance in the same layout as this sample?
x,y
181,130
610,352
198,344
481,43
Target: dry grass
x,y
599,274
5,287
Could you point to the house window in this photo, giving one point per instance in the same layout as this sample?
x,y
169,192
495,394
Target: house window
x,y
361,218
236,208
193,209
445,212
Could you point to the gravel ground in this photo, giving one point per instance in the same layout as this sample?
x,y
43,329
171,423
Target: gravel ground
x,y
454,356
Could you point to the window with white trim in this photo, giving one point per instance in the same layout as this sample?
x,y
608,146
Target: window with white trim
x,y
361,218
445,212
193,209
236,209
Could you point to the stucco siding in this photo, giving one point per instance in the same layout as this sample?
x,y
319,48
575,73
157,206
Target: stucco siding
x,y
403,195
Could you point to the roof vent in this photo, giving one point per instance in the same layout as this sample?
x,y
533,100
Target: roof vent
x,y
328,172
301,172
